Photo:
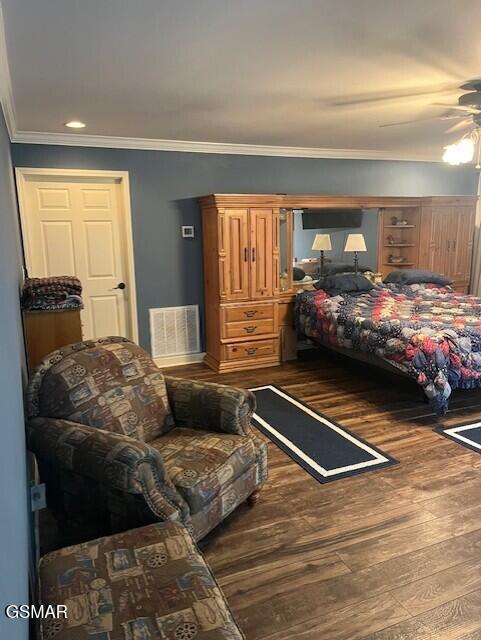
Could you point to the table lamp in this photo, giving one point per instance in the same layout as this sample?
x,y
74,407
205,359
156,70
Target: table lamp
x,y
355,242
322,242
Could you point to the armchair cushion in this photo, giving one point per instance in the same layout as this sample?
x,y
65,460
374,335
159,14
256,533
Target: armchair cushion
x,y
111,385
116,462
206,405
201,464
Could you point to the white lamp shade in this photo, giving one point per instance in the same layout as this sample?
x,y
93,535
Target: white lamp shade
x,y
355,242
322,242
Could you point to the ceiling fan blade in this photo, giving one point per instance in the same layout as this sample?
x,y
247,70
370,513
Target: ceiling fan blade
x,y
456,107
383,96
459,126
443,117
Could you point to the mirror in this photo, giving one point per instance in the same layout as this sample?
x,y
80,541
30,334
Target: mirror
x,y
285,249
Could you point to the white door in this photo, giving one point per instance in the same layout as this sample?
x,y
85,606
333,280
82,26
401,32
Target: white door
x,y
76,226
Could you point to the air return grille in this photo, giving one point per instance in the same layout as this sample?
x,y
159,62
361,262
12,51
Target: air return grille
x,y
174,331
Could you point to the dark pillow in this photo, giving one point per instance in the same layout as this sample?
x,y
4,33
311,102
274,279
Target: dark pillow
x,y
298,274
339,267
416,276
344,283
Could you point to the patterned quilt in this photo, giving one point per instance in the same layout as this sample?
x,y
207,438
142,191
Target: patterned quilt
x,y
432,334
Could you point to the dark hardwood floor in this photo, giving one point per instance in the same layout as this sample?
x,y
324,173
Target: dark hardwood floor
x,y
387,555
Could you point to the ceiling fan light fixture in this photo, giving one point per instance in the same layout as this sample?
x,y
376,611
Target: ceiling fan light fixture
x,y
451,155
460,153
466,149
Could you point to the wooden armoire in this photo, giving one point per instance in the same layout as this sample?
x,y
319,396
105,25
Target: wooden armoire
x,y
241,280
247,245
446,238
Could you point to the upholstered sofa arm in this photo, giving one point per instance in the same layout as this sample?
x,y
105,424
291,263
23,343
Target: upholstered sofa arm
x,y
114,461
210,406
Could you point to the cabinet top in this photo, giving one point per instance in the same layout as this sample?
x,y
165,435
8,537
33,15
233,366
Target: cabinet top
x,y
299,201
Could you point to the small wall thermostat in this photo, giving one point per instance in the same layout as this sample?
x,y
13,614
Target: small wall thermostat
x,y
188,232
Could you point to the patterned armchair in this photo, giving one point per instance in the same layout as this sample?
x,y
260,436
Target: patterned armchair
x,y
121,445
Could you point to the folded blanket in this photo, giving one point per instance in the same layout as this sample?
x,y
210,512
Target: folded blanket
x,y
52,294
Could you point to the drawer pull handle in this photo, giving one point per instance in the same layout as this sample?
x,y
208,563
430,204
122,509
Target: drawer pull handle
x,y
250,329
251,351
251,313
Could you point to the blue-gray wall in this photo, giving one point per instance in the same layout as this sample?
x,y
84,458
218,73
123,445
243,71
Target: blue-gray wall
x,y
303,239
14,536
164,187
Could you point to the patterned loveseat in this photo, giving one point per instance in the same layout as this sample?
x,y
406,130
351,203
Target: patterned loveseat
x,y
121,445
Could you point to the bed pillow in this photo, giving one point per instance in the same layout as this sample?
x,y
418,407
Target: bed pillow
x,y
298,274
416,276
344,283
337,267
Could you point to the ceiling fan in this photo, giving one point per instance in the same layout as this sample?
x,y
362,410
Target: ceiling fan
x,y
468,109
468,113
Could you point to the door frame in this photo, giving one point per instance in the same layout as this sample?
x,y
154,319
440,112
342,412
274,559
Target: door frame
x,y
122,178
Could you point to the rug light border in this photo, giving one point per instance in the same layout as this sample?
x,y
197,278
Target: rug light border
x,y
452,433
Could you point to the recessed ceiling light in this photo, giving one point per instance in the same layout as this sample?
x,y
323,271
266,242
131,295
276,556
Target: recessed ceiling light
x,y
75,124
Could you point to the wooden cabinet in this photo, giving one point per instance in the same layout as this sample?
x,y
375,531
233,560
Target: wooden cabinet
x,y
47,331
241,276
446,243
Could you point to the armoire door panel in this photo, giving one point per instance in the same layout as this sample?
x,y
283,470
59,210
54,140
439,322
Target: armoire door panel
x,y
237,258
462,244
261,254
440,241
276,266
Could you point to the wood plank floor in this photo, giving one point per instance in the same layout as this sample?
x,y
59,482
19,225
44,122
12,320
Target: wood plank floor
x,y
388,555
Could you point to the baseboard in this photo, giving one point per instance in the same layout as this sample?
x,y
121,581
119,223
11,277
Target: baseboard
x,y
177,361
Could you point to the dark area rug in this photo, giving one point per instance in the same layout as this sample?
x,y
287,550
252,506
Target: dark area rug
x,y
316,442
468,435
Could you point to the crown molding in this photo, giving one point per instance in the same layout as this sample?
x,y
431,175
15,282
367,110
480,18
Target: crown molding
x,y
6,94
187,146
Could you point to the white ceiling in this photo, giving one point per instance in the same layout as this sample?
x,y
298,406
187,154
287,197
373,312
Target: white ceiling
x,y
266,72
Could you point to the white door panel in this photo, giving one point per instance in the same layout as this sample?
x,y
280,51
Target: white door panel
x,y
58,255
105,315
75,227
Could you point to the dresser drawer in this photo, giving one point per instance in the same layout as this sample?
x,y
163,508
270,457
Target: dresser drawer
x,y
249,312
249,328
251,350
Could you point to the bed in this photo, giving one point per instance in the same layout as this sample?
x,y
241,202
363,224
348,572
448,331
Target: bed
x,y
430,334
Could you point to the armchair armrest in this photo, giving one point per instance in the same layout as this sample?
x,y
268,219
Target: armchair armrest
x,y
210,406
114,461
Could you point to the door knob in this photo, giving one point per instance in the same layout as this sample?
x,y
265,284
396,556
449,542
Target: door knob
x,y
120,286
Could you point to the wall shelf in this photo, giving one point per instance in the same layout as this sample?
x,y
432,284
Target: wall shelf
x,y
399,241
